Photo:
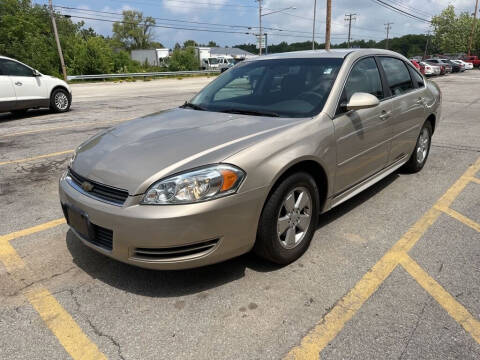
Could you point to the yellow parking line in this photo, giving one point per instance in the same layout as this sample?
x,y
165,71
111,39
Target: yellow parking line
x,y
63,127
9,257
475,180
333,322
31,230
447,301
463,219
35,157
63,326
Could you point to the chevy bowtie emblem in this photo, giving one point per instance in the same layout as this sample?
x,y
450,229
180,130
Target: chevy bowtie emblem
x,y
87,186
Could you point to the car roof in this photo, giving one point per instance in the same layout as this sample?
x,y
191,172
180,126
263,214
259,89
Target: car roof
x,y
333,53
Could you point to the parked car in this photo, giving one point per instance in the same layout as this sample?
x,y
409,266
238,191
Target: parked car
x,y
417,65
455,67
252,160
22,88
466,65
430,69
474,60
439,62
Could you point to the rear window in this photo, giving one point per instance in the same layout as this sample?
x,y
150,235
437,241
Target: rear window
x,y
397,74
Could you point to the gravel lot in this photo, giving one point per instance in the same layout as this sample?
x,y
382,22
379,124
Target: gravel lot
x,y
243,308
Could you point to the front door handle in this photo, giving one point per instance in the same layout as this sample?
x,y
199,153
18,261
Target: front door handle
x,y
385,115
18,83
420,101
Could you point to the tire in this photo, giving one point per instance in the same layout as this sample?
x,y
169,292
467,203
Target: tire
x,y
422,150
274,234
60,101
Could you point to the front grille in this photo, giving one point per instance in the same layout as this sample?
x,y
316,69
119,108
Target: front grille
x,y
175,252
99,191
102,237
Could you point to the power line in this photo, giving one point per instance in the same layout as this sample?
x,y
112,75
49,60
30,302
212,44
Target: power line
x,y
61,7
400,11
410,8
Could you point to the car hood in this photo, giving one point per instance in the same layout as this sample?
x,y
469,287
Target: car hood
x,y
135,154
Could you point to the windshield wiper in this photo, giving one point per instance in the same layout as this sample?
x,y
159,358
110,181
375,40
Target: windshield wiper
x,y
250,112
193,106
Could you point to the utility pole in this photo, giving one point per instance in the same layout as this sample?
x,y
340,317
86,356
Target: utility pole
x,y
388,27
328,25
473,28
59,46
260,26
426,46
314,20
349,18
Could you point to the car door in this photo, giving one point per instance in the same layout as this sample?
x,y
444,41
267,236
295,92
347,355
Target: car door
x,y
30,90
408,106
7,92
362,136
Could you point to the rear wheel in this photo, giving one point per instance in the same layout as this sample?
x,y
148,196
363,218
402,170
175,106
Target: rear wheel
x,y
60,101
422,149
289,219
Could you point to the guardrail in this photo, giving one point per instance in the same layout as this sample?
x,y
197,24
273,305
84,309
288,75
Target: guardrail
x,y
150,74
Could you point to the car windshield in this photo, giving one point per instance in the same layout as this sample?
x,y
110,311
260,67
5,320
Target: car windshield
x,y
277,87
230,61
213,61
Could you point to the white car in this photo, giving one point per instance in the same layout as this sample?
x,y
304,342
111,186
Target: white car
x,y
22,88
468,66
431,69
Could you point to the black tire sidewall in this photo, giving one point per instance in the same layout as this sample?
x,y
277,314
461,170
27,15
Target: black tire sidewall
x,y
53,106
267,244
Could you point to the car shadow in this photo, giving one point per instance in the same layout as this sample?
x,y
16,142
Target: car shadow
x,y
184,282
31,113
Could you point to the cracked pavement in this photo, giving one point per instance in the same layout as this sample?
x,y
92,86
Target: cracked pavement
x,y
243,308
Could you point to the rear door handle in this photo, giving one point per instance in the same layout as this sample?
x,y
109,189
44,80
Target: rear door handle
x,y
385,115
18,83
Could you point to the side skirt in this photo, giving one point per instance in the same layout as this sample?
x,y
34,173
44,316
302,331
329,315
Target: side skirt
x,y
357,189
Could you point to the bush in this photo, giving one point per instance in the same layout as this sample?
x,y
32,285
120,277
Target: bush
x,y
184,60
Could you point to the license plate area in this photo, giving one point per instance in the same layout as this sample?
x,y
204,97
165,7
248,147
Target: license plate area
x,y
79,221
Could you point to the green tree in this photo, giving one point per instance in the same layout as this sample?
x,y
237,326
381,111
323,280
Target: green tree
x,y
135,31
452,31
183,60
189,43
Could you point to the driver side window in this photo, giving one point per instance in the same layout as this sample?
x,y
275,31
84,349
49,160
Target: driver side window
x,y
364,77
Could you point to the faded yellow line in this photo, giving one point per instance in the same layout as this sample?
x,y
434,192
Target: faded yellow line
x,y
35,157
447,301
63,326
31,230
64,127
9,257
333,322
475,180
463,219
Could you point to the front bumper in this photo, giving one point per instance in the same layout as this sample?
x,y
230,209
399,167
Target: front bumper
x,y
230,223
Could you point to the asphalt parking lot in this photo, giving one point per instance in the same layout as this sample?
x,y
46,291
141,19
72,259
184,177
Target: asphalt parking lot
x,y
394,273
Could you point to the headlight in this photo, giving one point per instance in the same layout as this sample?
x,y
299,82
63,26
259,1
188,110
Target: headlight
x,y
199,185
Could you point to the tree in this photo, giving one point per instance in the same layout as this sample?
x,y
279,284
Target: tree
x,y
452,31
212,44
189,43
135,31
183,60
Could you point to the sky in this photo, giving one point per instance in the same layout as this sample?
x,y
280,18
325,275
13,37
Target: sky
x,y
228,20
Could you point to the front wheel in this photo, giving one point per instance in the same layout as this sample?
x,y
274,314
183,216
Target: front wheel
x,y
289,220
422,149
60,101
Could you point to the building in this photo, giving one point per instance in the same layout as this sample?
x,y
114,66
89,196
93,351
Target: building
x,y
236,53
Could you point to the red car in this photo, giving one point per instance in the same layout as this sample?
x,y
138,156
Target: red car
x,y
418,66
472,59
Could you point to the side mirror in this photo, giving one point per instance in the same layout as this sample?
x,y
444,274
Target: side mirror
x,y
36,73
362,100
